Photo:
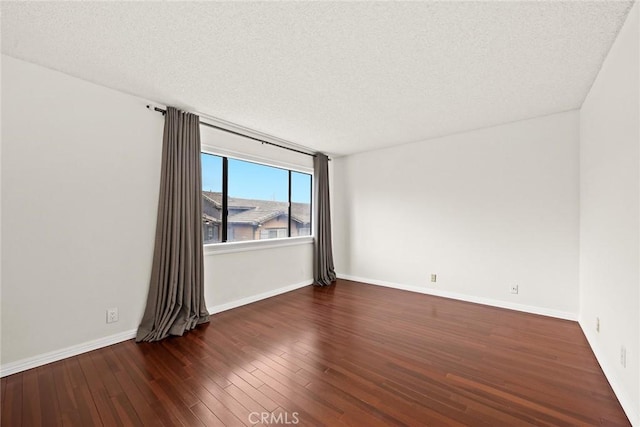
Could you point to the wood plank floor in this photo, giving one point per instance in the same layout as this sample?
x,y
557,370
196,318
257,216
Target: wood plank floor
x,y
351,354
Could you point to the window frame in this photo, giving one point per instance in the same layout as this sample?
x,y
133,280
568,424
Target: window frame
x,y
228,247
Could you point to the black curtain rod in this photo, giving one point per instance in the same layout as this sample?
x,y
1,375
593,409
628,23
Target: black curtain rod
x,y
160,110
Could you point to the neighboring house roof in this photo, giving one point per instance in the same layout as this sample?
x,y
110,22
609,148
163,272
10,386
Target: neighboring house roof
x,y
255,216
216,202
257,212
209,218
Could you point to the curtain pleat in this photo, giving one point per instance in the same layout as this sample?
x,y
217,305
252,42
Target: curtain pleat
x,y
175,302
323,270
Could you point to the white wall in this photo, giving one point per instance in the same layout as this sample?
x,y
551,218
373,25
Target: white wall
x,y
80,171
80,178
483,210
238,278
610,215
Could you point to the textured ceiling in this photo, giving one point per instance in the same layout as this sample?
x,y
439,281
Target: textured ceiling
x,y
336,77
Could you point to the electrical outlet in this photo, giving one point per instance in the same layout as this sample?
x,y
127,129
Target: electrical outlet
x,y
112,315
434,278
597,324
514,289
623,356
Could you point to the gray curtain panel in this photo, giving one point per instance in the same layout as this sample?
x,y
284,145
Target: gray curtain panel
x,y
323,270
175,302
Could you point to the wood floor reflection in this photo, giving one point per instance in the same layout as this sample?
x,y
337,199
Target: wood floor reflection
x,y
350,354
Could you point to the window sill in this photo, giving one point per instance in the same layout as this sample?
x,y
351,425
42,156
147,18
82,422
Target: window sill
x,y
255,245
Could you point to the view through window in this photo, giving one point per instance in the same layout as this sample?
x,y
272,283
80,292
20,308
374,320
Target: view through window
x,y
300,204
263,202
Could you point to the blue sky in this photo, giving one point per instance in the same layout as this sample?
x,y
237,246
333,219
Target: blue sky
x,y
253,181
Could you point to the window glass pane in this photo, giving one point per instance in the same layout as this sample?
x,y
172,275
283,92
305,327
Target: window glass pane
x,y
300,204
211,197
258,206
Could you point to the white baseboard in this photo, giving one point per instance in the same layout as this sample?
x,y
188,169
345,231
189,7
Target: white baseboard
x,y
54,356
468,298
254,298
609,372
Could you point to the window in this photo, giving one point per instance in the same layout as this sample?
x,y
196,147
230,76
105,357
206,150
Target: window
x,y
300,221
261,195
273,233
260,201
211,198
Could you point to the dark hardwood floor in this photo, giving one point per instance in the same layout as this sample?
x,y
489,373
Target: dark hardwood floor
x,y
350,354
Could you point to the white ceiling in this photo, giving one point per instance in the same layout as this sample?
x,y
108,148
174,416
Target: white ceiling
x,y
336,77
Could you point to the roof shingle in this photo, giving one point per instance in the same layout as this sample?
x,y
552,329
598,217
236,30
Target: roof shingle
x,y
254,211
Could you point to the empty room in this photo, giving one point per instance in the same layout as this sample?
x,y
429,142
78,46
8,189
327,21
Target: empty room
x,y
320,213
